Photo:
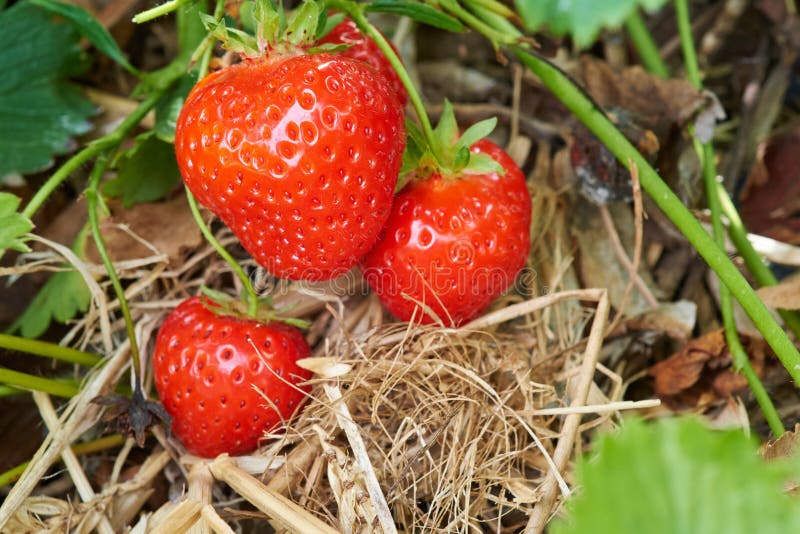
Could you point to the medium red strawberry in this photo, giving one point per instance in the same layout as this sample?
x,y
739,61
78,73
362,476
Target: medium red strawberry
x,y
452,243
226,380
297,155
364,49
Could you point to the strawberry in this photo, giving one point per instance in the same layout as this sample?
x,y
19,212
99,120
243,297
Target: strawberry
x,y
226,380
364,49
453,243
297,155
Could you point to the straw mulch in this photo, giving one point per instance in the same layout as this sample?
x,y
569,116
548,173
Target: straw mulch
x,y
407,428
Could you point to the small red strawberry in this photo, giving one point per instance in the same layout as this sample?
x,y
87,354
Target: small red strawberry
x,y
364,49
454,241
297,153
226,380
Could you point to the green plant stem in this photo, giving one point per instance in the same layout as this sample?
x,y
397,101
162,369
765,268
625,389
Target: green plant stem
x,y
755,264
101,444
159,11
496,37
706,153
94,149
92,194
252,296
48,350
740,359
645,45
597,122
206,48
37,383
356,12
687,42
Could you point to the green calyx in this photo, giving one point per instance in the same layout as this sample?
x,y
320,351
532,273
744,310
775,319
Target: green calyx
x,y
272,30
223,304
449,153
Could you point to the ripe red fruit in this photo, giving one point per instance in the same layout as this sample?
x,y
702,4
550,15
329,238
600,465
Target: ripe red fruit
x,y
206,367
454,244
298,155
364,49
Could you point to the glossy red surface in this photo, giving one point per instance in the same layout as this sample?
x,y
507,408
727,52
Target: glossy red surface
x,y
205,368
364,49
298,156
453,244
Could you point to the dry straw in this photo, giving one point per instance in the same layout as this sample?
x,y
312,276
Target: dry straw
x,y
407,429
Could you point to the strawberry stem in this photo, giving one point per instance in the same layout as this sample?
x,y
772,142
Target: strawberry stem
x,y
17,379
356,12
159,10
48,350
92,198
705,152
251,296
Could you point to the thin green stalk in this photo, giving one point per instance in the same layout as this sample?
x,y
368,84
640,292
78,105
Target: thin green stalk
x,y
104,443
755,264
94,149
645,45
37,383
92,197
495,36
206,48
356,12
740,359
252,296
159,11
597,122
707,157
48,350
687,42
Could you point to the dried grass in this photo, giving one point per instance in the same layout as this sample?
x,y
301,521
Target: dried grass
x,y
407,428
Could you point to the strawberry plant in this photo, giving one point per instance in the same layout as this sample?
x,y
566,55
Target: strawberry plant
x,y
307,153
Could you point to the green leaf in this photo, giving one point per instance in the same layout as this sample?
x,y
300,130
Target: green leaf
x,y
146,173
303,23
169,107
331,21
677,476
446,131
39,111
582,19
90,28
417,11
13,225
483,164
477,131
61,298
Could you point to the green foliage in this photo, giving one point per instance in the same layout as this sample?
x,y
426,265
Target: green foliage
x,y
582,19
146,173
169,107
13,225
417,11
61,298
90,28
676,476
451,154
39,111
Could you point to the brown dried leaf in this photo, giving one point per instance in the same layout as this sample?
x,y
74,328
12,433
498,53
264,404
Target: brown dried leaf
x,y
702,373
659,105
784,447
785,295
168,226
771,197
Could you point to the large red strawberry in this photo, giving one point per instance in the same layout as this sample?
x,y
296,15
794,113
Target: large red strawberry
x,y
226,380
364,49
452,243
297,154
